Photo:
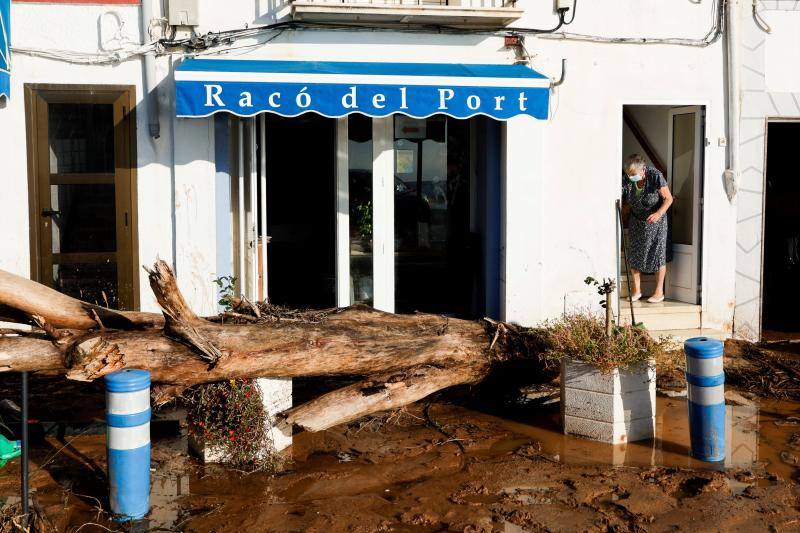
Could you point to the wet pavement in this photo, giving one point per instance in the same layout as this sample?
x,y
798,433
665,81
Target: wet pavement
x,y
455,469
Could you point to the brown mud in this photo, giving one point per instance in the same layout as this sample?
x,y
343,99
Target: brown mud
x,y
447,465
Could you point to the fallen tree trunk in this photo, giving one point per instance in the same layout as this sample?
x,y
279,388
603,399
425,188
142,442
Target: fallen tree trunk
x,y
403,357
62,311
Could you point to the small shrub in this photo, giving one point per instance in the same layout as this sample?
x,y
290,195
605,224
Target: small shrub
x,y
227,291
582,337
230,416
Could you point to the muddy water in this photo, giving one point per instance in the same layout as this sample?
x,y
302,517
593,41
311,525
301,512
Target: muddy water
x,y
467,469
756,435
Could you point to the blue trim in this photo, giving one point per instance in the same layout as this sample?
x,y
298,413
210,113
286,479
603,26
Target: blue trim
x,y
707,431
705,381
128,380
129,482
489,155
704,347
222,197
128,421
365,68
5,84
5,48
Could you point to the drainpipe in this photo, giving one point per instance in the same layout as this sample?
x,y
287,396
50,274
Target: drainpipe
x,y
731,174
150,89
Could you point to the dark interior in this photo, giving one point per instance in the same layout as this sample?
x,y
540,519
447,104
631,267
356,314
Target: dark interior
x,y
781,233
301,266
441,259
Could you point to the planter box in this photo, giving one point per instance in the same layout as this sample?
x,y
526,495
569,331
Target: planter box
x,y
615,408
277,397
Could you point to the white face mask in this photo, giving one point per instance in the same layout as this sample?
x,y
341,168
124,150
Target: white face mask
x,y
635,178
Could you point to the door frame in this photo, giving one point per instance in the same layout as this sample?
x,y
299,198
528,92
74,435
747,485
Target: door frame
x,y
37,94
706,105
697,192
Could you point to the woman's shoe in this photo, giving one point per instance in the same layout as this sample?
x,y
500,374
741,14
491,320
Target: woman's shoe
x,y
656,299
636,297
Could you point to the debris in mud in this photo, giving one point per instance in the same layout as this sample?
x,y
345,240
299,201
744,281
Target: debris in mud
x,y
767,369
788,421
789,458
391,476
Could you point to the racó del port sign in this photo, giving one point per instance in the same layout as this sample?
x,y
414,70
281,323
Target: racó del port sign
x,y
335,89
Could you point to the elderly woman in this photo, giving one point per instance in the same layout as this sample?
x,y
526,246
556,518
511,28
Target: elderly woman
x,y
645,190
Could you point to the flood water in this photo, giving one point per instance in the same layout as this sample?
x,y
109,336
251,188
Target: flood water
x,y
756,435
756,438
386,461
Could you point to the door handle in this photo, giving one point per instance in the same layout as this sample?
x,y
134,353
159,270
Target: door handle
x,y
47,212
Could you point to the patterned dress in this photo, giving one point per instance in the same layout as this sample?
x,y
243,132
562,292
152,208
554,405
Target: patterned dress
x,y
647,248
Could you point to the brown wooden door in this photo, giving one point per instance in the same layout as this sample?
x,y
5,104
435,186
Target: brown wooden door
x,y
81,157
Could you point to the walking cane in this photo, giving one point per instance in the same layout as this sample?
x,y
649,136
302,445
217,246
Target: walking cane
x,y
627,270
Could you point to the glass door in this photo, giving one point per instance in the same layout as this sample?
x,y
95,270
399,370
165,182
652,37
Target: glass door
x,y
82,204
436,254
684,176
418,214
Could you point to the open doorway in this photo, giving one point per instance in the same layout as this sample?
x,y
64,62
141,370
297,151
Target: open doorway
x,y
300,203
671,139
781,263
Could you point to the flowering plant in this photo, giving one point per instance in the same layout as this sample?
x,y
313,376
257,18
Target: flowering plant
x,y
230,417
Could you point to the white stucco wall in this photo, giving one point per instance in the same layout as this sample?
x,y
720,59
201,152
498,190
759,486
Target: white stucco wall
x,y
77,28
563,174
766,93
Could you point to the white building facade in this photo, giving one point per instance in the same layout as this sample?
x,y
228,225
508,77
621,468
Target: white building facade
x,y
465,217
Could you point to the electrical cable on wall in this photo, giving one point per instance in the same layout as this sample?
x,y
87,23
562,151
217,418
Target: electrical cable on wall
x,y
224,40
574,8
710,38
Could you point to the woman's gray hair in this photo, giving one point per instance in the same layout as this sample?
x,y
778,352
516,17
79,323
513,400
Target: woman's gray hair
x,y
633,163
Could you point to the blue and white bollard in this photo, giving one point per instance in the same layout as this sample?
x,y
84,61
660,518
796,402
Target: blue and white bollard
x,y
705,378
128,442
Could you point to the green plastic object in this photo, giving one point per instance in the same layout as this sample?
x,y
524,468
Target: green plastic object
x,y
9,449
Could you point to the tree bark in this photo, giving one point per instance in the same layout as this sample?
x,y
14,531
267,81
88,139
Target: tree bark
x,y
406,357
62,311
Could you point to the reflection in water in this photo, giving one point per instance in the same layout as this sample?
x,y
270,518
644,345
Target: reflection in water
x,y
165,495
753,436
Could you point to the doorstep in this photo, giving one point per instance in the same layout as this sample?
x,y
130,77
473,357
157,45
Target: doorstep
x,y
681,335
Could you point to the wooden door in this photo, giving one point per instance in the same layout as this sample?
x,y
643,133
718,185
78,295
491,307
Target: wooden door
x,y
81,158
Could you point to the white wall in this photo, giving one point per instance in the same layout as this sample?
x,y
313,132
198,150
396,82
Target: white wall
x,y
582,151
562,218
765,94
76,27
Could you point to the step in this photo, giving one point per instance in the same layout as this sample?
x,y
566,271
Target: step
x,y
681,335
667,315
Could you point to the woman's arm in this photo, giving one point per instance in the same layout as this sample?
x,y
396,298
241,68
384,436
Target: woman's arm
x,y
667,197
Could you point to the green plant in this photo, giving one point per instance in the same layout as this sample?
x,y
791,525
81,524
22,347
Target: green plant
x,y
227,291
364,220
229,416
583,337
605,288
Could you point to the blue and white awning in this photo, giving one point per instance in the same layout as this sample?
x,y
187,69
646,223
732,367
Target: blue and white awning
x,y
289,88
5,48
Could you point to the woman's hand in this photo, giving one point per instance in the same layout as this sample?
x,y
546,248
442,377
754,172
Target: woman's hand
x,y
654,217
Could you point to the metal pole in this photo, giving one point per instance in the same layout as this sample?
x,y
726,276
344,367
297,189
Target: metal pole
x,y
24,480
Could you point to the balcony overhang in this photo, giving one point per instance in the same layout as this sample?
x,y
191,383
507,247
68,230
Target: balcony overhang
x,y
354,12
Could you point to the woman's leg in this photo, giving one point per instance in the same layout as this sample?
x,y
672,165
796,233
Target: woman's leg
x,y
660,275
637,288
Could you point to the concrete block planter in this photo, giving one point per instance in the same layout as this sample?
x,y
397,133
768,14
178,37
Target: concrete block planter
x,y
277,397
616,407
